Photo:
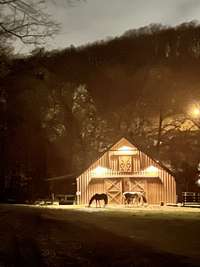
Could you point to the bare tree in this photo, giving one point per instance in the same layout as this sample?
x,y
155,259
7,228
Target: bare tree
x,y
26,21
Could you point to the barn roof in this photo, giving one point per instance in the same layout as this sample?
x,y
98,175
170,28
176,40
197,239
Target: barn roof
x,y
136,146
156,161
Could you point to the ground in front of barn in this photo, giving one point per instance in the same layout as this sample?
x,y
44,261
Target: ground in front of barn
x,y
112,236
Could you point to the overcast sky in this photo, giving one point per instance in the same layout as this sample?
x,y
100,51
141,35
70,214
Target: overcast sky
x,y
91,20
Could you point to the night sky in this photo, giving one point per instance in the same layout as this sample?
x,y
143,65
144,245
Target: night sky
x,y
86,21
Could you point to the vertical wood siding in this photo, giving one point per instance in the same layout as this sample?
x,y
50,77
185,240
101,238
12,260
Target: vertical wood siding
x,y
157,190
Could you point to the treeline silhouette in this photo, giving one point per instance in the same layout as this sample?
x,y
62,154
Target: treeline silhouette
x,y
60,109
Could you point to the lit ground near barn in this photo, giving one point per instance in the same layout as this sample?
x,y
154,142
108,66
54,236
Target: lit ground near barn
x,y
80,236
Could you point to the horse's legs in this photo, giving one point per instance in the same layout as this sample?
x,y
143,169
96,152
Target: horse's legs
x,y
141,201
130,201
124,200
136,200
127,202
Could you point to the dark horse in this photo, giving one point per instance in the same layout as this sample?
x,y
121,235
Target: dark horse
x,y
97,198
134,197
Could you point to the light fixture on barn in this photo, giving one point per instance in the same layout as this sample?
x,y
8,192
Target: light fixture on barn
x,y
151,170
126,150
99,171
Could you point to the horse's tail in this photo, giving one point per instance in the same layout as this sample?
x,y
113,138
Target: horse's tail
x,y
106,199
91,200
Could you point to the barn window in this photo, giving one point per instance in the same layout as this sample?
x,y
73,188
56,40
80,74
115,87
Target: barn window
x,y
125,163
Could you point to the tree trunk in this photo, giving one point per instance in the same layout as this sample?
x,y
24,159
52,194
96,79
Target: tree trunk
x,y
159,132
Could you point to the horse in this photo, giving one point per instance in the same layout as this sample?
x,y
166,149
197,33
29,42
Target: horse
x,y
97,198
132,197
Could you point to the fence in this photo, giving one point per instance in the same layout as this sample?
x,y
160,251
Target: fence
x,y
190,198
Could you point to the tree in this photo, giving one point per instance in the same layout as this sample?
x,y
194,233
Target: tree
x,y
84,110
5,63
26,21
94,131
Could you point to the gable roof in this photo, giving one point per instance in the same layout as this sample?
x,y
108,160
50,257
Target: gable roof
x,y
130,143
156,161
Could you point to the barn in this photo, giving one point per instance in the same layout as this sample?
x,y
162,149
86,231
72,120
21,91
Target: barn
x,y
124,167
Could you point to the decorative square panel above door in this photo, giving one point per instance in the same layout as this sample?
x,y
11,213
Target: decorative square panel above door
x,y
125,163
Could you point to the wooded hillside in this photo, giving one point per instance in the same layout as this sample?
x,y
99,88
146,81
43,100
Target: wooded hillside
x,y
60,109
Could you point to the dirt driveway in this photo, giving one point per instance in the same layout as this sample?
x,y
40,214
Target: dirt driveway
x,y
78,236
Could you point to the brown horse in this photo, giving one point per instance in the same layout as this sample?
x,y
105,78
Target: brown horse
x,y
97,198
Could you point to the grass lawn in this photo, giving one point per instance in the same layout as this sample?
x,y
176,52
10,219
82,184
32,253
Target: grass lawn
x,y
80,236
175,230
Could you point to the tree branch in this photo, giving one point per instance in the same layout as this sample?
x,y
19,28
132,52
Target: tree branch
x,y
5,2
26,21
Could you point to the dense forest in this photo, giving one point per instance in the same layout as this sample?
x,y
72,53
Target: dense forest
x,y
61,109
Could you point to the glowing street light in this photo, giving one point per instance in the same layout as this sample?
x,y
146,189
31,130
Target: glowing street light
x,y
198,182
195,112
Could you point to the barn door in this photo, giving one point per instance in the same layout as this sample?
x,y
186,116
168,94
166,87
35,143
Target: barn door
x,y
137,185
113,188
